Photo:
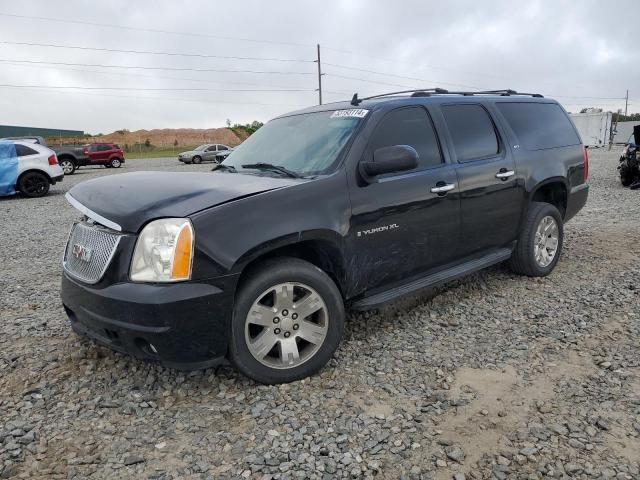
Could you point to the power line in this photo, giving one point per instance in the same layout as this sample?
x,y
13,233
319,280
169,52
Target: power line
x,y
411,64
196,100
594,98
145,89
176,69
152,30
392,84
148,52
129,74
400,76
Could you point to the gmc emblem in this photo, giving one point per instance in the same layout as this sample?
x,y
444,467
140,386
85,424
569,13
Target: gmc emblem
x,y
81,252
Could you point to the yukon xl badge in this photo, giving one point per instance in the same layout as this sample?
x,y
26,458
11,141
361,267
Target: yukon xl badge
x,y
80,252
382,228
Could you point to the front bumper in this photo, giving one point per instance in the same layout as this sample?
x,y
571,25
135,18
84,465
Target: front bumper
x,y
181,325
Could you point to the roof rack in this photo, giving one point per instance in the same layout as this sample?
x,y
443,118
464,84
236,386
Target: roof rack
x,y
427,92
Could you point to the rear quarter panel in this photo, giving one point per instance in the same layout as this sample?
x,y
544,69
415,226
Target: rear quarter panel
x,y
543,166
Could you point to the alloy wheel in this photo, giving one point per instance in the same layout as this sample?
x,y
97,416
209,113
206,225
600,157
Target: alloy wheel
x,y
546,241
67,167
286,325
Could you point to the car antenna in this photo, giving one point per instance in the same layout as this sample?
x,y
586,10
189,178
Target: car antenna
x,y
355,101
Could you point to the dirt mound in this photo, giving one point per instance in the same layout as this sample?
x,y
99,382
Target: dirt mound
x,y
167,137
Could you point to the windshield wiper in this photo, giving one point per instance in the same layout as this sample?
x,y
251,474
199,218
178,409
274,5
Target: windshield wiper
x,y
226,168
276,168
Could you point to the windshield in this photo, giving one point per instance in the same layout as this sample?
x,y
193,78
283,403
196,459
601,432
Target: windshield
x,y
200,148
307,144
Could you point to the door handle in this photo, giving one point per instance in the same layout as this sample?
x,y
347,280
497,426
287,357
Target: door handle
x,y
442,187
503,174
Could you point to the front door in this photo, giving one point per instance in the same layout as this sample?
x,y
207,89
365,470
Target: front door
x,y
408,222
490,194
210,153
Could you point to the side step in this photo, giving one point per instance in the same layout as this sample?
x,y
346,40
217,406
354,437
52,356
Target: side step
x,y
443,276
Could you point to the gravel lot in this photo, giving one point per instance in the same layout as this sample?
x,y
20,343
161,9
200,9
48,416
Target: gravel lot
x,y
493,376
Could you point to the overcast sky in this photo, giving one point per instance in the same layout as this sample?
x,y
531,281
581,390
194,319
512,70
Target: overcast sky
x,y
568,50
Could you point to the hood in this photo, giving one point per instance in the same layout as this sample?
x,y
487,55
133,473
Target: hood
x,y
130,200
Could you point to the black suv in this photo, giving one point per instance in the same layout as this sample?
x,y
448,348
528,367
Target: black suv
x,y
349,204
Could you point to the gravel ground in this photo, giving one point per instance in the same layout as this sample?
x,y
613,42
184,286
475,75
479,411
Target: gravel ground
x,y
492,376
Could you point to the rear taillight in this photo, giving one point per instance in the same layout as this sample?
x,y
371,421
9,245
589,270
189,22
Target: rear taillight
x,y
585,154
52,160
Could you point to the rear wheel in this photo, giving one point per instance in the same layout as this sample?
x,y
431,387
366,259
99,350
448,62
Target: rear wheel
x,y
34,184
68,166
626,175
288,321
115,163
540,242
196,159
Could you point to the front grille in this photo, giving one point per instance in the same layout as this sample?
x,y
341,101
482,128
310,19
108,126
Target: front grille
x,y
89,251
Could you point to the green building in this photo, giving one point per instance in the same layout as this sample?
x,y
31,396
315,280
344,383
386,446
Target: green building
x,y
13,131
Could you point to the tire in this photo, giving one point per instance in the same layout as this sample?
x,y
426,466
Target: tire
x,y
68,166
34,184
324,326
115,163
626,175
524,259
196,159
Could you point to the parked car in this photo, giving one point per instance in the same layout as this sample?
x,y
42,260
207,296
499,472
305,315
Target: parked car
x,y
629,166
73,157
27,167
210,152
344,205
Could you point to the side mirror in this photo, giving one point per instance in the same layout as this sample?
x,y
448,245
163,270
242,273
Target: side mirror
x,y
396,158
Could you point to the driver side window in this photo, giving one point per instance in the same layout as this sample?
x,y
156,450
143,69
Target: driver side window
x,y
409,126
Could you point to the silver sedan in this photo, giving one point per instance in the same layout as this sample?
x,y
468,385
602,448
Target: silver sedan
x,y
210,152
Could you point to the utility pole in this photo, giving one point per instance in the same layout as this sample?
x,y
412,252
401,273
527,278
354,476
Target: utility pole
x,y
626,101
319,76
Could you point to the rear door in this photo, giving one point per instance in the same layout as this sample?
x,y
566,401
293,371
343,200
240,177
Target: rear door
x,y
491,197
402,225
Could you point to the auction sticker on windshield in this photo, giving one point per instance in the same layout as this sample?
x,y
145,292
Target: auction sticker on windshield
x,y
354,112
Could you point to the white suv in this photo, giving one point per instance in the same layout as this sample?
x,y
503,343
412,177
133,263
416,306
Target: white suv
x,y
27,167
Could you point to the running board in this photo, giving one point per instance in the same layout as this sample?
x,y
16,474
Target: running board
x,y
447,275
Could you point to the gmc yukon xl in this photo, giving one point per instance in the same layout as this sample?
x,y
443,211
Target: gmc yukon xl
x,y
342,206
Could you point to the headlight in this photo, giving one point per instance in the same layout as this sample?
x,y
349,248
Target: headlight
x,y
164,251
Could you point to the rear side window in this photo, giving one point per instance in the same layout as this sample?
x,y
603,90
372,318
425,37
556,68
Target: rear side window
x,y
409,126
472,131
23,150
539,125
222,147
104,148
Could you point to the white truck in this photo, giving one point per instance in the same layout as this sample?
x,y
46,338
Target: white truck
x,y
594,128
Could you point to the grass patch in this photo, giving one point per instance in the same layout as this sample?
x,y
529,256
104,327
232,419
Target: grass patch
x,y
153,152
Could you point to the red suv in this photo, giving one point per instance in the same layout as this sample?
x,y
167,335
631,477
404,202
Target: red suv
x,y
107,154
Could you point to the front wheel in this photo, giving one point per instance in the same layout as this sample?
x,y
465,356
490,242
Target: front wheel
x,y
196,159
287,323
34,184
540,241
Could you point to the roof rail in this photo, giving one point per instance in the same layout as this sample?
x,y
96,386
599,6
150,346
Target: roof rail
x,y
427,92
